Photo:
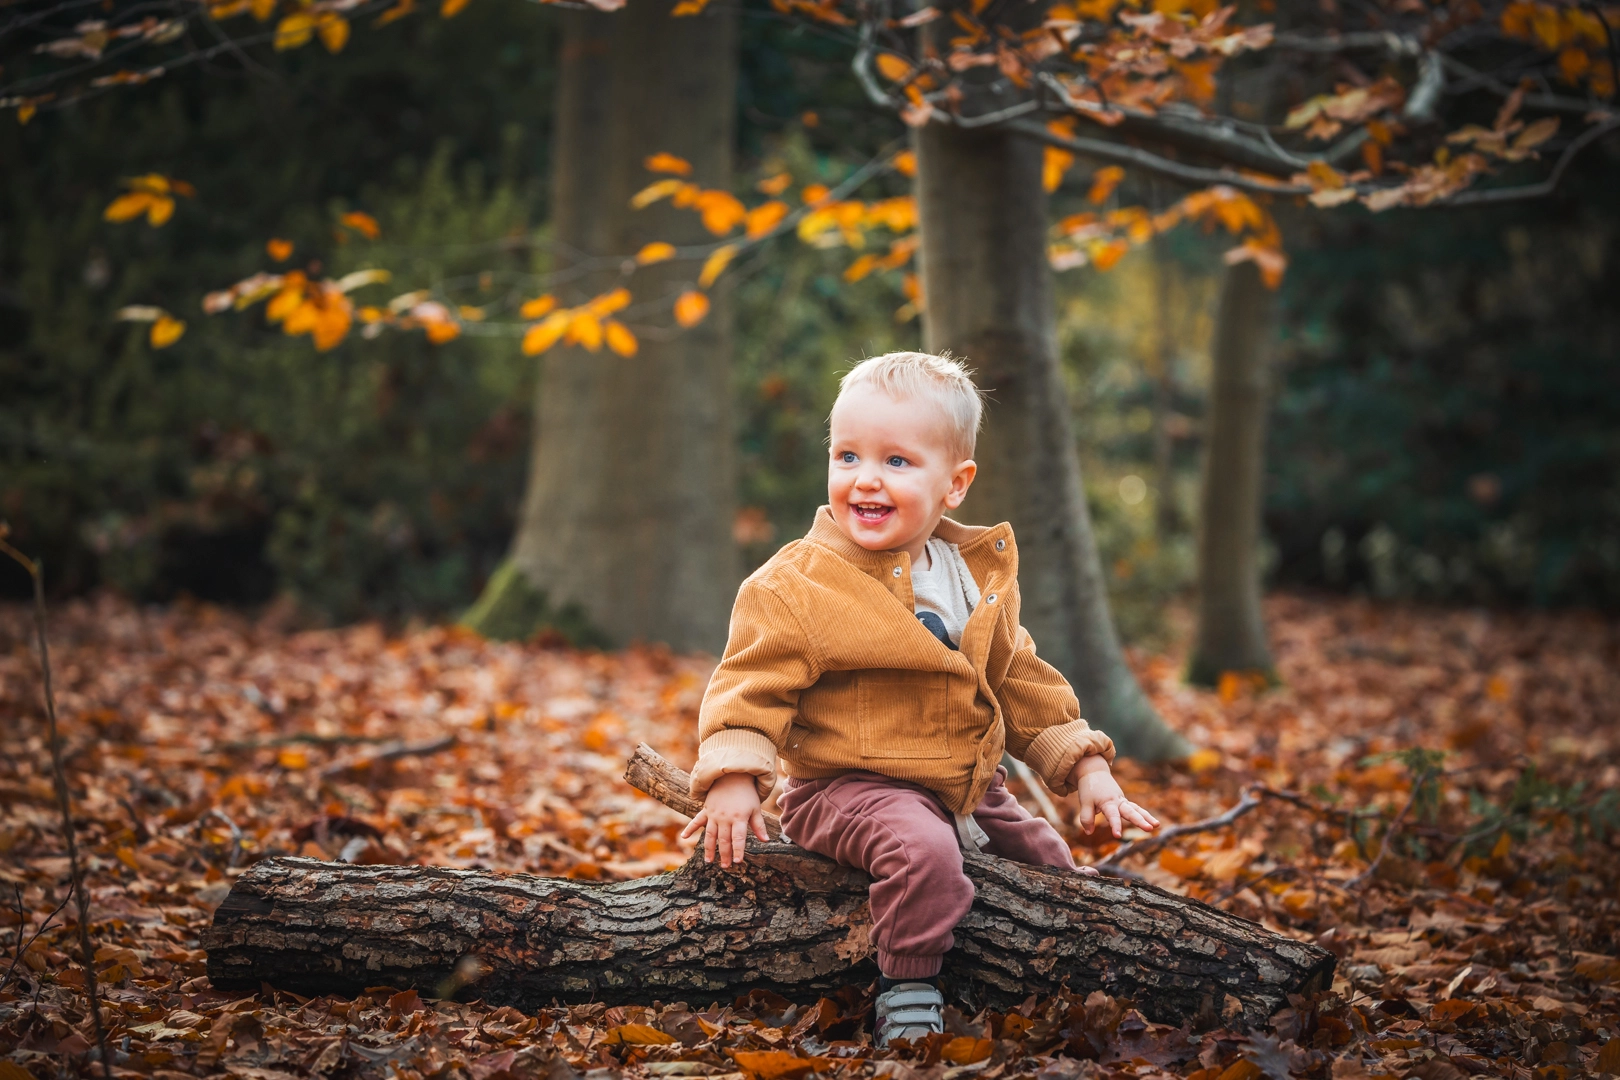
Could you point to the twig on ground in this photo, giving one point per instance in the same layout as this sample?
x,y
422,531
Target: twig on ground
x,y
307,737
391,751
1389,834
22,947
1253,796
36,570
236,834
1037,790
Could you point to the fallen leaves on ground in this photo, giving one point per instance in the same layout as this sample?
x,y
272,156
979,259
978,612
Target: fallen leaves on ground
x,y
1476,937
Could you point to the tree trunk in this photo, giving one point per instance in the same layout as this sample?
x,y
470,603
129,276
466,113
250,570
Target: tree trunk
x,y
626,526
1231,629
1166,515
988,294
791,921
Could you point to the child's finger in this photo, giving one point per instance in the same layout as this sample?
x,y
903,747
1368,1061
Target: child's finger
x,y
709,842
1087,817
1139,817
722,840
739,841
696,824
1110,811
758,822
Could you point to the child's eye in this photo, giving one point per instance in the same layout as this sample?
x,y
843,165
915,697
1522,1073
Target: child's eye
x,y
847,457
896,461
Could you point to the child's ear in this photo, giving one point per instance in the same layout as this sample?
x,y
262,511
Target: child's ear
x,y
961,480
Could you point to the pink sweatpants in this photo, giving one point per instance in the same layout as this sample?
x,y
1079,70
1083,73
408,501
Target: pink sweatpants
x,y
902,835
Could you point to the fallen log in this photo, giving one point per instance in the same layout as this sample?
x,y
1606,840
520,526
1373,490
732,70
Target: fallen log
x,y
790,921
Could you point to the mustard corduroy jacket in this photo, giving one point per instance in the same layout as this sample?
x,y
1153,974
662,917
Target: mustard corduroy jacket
x,y
829,668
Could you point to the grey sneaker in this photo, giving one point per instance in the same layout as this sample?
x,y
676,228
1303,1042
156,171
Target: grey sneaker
x,y
909,1011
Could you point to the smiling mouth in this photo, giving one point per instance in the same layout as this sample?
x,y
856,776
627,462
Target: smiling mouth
x,y
871,511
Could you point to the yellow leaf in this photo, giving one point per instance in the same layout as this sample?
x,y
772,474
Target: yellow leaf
x,y
639,1035
127,207
1503,845
584,329
1103,183
775,185
295,30
1537,133
159,210
398,11
470,313
609,302
655,191
544,335
1180,865
25,113
538,307
814,193
620,339
715,264
449,8
893,67
293,758
1201,761
263,9
655,252
1105,254
334,31
278,249
166,331
668,163
690,7
763,218
691,307
362,223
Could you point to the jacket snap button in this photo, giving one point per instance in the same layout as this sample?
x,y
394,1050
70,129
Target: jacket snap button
x,y
991,598
1001,545
897,571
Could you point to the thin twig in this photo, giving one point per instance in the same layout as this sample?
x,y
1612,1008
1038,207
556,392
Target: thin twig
x,y
36,570
1389,834
22,949
1037,791
1253,796
391,752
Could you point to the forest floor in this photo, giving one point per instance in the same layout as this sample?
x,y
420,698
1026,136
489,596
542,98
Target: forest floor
x,y
1470,760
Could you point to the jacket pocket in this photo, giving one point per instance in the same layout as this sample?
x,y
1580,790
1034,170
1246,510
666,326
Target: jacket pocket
x,y
904,714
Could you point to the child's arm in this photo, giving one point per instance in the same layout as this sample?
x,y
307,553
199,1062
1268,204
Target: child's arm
x,y
730,811
1100,794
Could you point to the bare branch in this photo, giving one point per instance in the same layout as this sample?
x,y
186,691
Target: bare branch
x,y
1119,153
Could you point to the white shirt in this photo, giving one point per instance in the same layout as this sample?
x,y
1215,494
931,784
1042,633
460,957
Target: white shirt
x,y
945,587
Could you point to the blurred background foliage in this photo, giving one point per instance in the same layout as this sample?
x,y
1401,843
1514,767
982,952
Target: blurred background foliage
x,y
1446,421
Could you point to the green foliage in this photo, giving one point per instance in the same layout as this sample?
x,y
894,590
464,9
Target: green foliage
x,y
1537,805
1448,424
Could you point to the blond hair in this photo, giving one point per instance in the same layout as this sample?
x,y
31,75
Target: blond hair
x,y
943,379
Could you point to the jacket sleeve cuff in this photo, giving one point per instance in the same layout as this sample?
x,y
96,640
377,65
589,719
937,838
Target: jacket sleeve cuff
x,y
734,750
1056,750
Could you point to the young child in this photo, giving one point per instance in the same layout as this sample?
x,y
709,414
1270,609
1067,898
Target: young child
x,y
882,660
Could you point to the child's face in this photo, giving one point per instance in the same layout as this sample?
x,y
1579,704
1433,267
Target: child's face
x,y
891,475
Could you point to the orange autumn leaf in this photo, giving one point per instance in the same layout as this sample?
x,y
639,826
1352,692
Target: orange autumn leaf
x,y
620,339
691,307
668,163
544,335
638,1035
775,185
721,211
689,7
609,302
966,1050
655,252
777,1064
1183,866
763,218
362,223
333,30
278,249
449,9
538,307
585,330
1103,183
653,192
905,163
893,67
166,330
294,31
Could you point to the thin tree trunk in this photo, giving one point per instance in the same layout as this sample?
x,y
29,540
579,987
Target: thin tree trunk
x,y
1231,628
988,294
789,920
626,526
1165,514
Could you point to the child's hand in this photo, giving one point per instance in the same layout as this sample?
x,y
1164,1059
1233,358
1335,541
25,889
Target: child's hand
x,y
729,811
1100,793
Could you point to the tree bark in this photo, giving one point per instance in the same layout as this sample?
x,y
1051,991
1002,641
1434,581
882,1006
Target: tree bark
x,y
625,532
988,294
1231,628
791,921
